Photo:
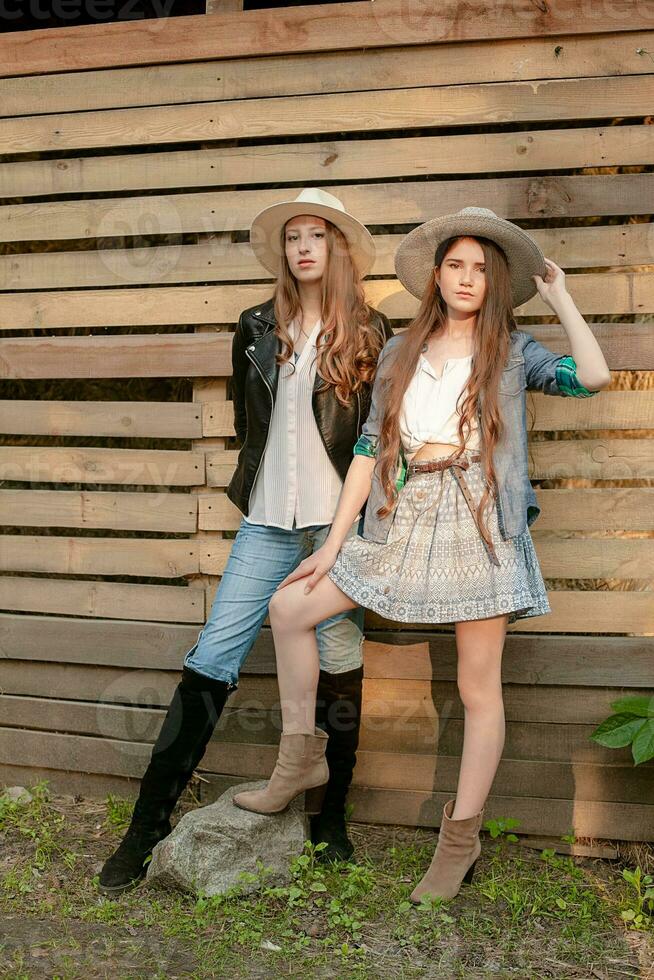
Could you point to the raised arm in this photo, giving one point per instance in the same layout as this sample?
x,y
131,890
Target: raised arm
x,y
580,374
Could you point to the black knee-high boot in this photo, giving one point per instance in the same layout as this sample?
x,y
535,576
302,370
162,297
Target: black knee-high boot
x,y
338,712
190,720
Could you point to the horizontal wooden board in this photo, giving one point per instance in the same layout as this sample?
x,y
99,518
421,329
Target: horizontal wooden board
x,y
591,459
586,818
217,513
330,71
443,736
429,107
574,558
581,509
105,556
391,655
155,420
406,202
576,612
605,410
61,464
595,459
529,660
106,684
396,709
381,770
78,784
439,772
626,346
415,809
162,603
242,728
171,512
336,160
193,355
595,509
320,27
599,293
218,261
159,356
552,817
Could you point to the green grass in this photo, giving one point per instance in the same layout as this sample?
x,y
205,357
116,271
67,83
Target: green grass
x,y
527,914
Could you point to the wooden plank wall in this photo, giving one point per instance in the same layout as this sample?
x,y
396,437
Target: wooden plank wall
x,y
130,172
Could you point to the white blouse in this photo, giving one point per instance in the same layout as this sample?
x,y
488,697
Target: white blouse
x,y
429,412
297,484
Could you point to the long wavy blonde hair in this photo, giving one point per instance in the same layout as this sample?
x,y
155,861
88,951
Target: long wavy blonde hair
x,y
350,340
491,346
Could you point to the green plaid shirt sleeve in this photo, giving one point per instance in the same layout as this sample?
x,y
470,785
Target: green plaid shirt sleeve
x,y
567,380
365,446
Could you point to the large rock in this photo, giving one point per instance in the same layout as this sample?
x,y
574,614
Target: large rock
x,y
212,845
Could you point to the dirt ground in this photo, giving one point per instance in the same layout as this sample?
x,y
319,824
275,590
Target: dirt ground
x,y
527,915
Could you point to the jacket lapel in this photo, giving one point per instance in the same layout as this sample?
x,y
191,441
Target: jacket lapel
x,y
266,347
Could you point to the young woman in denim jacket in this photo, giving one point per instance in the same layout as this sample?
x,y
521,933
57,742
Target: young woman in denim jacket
x,y
446,538
303,365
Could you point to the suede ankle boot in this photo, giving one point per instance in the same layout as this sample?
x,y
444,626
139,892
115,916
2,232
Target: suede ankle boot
x,y
454,859
338,712
192,715
300,766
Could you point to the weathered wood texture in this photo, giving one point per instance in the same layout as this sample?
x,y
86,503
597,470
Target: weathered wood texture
x,y
322,27
135,156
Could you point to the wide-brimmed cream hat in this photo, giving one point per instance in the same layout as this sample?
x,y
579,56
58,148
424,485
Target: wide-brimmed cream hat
x,y
266,226
414,259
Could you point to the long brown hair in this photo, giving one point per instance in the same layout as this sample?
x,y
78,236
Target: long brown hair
x,y
491,346
350,340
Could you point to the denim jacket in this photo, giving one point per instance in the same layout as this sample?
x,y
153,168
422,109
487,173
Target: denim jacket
x,y
530,367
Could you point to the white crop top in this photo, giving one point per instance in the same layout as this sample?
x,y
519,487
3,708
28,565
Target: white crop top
x,y
428,411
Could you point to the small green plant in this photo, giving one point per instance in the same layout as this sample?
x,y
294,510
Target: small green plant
x,y
498,828
631,724
119,812
639,913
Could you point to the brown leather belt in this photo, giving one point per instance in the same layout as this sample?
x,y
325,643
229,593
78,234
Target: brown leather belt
x,y
457,466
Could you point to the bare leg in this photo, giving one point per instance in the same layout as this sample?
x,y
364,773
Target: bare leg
x,y
294,617
479,677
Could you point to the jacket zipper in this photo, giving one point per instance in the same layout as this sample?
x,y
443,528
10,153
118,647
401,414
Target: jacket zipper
x,y
358,413
272,407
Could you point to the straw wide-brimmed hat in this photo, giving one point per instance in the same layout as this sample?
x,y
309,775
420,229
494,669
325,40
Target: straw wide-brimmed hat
x,y
266,226
414,259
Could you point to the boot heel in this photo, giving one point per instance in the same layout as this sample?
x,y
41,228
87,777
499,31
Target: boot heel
x,y
314,798
469,873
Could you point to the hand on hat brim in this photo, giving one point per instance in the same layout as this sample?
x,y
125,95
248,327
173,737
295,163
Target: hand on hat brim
x,y
552,288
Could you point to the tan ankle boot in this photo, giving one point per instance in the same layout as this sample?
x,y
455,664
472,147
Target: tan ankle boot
x,y
301,765
454,859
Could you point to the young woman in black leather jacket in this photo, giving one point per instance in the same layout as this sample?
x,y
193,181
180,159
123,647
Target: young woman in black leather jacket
x,y
303,368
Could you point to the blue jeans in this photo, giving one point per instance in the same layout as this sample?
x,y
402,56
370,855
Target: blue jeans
x,y
261,557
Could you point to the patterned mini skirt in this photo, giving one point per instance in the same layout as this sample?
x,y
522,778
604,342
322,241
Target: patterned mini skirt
x,y
435,567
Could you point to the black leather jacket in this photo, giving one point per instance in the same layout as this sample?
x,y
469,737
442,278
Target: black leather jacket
x,y
254,388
